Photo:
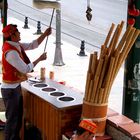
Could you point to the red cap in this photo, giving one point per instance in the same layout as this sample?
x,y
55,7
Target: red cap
x,y
88,125
9,30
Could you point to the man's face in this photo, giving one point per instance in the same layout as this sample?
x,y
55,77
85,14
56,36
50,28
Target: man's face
x,y
16,36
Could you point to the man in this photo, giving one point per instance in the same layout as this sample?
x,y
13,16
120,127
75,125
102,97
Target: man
x,y
15,66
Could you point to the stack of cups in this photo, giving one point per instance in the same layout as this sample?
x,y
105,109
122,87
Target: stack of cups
x,y
42,73
51,75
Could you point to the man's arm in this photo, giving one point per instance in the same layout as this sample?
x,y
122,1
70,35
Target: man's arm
x,y
46,33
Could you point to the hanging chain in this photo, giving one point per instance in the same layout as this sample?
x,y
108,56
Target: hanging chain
x,y
88,11
88,3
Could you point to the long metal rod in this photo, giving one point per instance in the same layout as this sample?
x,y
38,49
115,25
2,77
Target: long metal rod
x,y
49,26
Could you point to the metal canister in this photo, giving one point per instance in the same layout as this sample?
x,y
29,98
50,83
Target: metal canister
x,y
42,73
51,75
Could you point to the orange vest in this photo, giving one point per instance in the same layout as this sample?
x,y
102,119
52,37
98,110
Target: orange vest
x,y
10,73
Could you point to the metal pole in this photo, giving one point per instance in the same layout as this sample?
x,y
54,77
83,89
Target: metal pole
x,y
49,26
4,13
58,60
131,93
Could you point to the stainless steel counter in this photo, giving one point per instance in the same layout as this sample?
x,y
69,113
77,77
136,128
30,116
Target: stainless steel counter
x,y
56,94
52,107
